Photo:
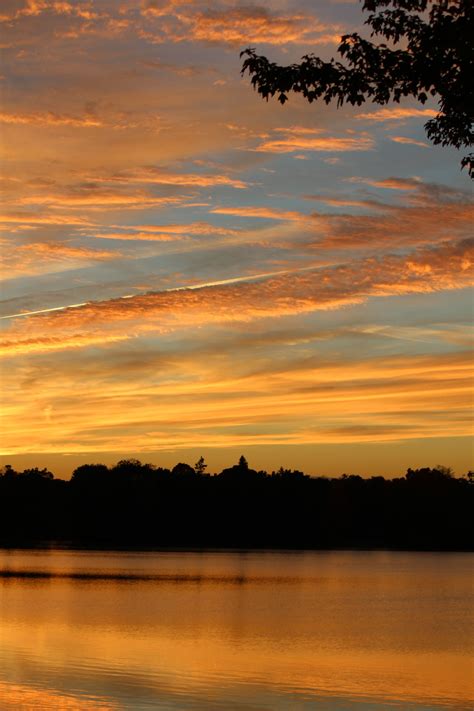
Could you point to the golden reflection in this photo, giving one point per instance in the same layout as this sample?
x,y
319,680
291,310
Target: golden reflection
x,y
386,627
21,696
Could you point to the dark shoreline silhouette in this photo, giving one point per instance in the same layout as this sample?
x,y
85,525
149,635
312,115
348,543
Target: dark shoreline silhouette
x,y
141,506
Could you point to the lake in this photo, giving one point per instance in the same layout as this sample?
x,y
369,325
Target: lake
x,y
329,631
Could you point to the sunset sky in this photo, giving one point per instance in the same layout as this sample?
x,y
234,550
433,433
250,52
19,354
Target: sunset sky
x,y
189,270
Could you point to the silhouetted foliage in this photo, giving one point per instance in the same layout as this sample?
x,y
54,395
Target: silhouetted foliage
x,y
240,472
37,474
90,474
430,54
426,475
288,474
135,504
183,470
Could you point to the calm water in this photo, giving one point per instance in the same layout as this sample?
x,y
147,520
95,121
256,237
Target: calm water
x,y
325,631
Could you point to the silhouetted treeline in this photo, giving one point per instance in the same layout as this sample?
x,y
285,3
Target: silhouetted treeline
x,y
135,504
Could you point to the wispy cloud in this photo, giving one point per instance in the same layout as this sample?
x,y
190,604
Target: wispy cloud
x,y
267,213
347,202
364,400
305,140
44,344
110,120
37,257
396,113
409,141
96,197
50,118
140,236
390,183
40,218
60,250
163,176
424,271
168,233
424,220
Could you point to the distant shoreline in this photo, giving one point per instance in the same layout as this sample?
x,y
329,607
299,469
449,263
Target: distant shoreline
x,y
102,548
135,506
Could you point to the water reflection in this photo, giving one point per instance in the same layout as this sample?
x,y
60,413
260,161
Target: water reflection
x,y
242,630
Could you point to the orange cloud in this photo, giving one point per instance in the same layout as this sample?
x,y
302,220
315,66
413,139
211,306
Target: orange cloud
x,y
396,114
94,197
114,120
430,216
160,8
346,202
180,144
444,268
263,212
34,218
167,233
363,400
162,176
300,142
409,141
45,344
236,25
195,228
391,183
34,8
36,257
171,21
65,250
139,236
182,22
304,130
49,118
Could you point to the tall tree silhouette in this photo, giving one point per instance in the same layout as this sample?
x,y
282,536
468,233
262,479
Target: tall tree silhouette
x,y
243,463
200,466
431,54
